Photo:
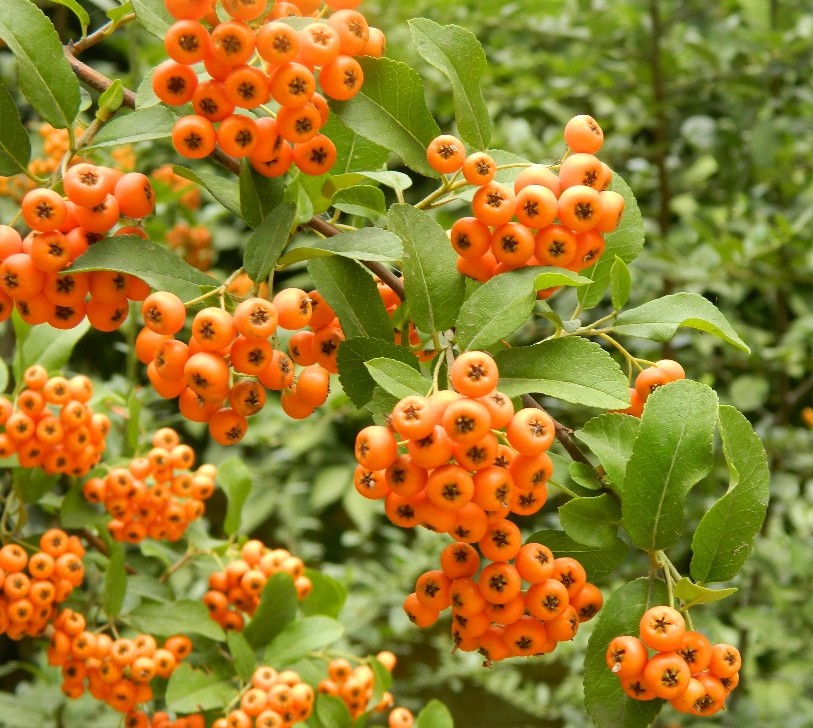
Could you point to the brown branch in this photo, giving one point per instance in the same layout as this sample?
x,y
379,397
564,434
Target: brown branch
x,y
100,546
562,434
99,35
100,83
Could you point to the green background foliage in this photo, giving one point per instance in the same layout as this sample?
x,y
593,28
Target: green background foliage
x,y
706,109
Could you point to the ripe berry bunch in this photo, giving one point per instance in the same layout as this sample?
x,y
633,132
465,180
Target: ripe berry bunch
x,y
117,672
694,676
32,587
253,59
157,495
355,688
50,424
63,229
465,459
238,588
192,243
661,373
545,219
491,613
139,719
225,346
276,699
55,144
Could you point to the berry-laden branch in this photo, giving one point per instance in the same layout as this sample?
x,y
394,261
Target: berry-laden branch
x,y
99,82
562,434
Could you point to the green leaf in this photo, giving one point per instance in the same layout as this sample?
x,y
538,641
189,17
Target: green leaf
x,y
382,682
301,637
572,369
620,284
154,264
363,200
15,146
120,11
148,587
133,423
44,345
76,512
235,479
154,16
44,74
34,483
115,581
223,189
243,655
354,153
332,712
354,378
259,195
394,180
673,452
372,244
434,288
4,376
585,475
660,319
625,242
303,206
110,101
458,55
400,380
267,242
181,617
692,594
597,562
725,535
191,691
327,595
496,309
434,715
80,13
154,122
277,609
606,702
351,292
550,277
391,111
611,437
592,521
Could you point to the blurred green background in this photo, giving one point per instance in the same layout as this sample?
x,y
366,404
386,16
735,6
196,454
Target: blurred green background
x,y
707,109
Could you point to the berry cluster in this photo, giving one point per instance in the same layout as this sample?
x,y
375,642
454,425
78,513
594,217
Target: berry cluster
x,y
663,372
355,688
55,144
276,699
238,588
223,345
192,243
32,587
493,473
284,71
117,672
156,496
188,191
139,719
70,438
63,229
694,676
492,242
491,613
